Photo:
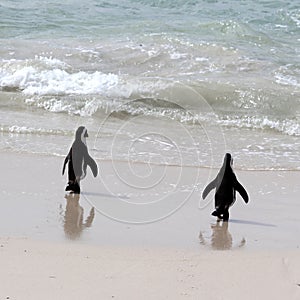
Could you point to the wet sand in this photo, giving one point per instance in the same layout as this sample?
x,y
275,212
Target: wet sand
x,y
108,243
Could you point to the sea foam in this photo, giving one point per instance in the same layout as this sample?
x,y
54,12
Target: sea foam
x,y
58,82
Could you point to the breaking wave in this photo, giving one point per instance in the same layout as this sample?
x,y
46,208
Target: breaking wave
x,y
53,85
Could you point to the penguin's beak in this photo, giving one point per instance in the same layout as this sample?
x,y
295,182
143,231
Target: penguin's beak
x,y
86,134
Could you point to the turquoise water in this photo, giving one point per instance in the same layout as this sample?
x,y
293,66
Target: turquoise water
x,y
211,76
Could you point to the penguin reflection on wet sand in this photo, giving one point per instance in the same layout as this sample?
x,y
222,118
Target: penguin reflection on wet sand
x,y
73,219
226,185
78,159
221,238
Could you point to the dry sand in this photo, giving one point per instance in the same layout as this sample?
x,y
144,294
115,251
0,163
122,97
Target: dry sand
x,y
42,270
55,248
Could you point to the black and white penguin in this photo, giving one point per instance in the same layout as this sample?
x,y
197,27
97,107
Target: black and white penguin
x,y
226,185
78,158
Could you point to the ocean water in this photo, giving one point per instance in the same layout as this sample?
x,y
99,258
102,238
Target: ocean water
x,y
169,82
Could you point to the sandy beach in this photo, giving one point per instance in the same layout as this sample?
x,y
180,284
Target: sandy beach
x,y
53,247
164,90
41,270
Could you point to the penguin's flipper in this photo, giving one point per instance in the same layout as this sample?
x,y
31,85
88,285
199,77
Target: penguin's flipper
x,y
65,162
209,187
241,191
92,164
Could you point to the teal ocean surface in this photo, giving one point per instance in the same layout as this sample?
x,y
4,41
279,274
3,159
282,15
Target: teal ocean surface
x,y
169,82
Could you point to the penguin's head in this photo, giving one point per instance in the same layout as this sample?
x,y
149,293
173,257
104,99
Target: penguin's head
x,y
81,134
85,134
228,161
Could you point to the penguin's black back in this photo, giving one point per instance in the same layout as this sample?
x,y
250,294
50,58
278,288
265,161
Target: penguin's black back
x,y
225,191
79,152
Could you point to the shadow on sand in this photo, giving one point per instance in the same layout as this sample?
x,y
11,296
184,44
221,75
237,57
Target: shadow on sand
x,y
246,222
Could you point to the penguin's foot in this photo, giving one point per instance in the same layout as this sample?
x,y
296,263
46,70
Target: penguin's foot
x,y
70,185
215,214
73,187
68,188
221,215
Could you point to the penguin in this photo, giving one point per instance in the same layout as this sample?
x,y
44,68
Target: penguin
x,y
226,185
78,159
